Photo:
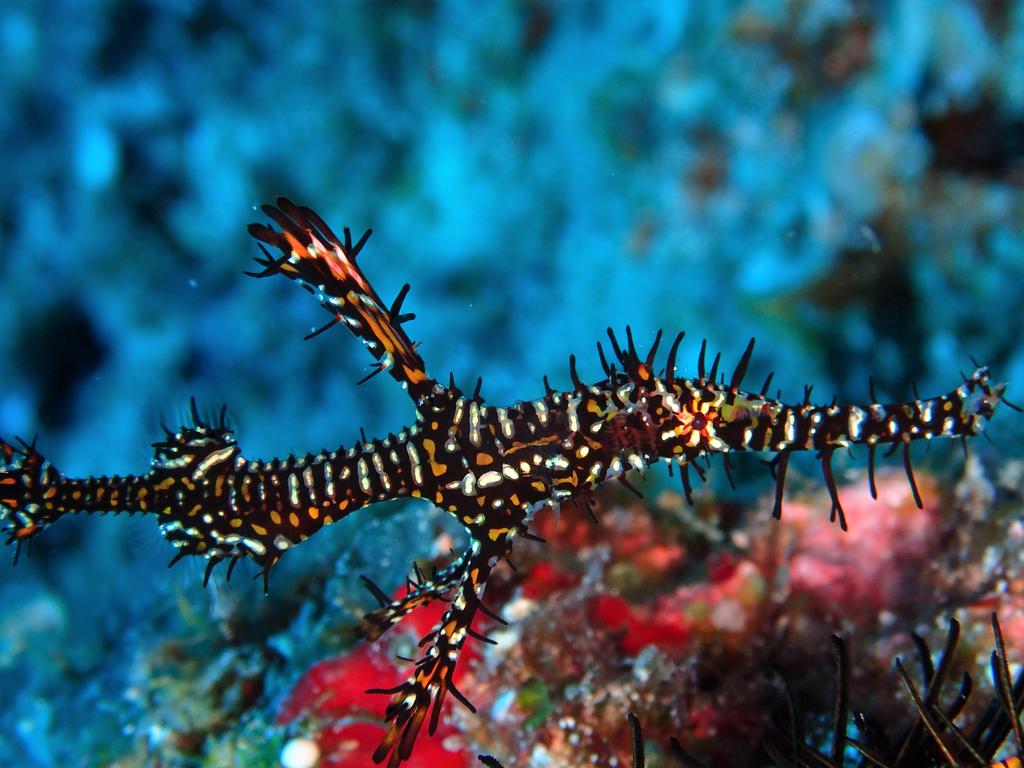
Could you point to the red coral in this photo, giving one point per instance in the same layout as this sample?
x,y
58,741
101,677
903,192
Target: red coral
x,y
352,744
337,686
721,610
333,692
544,579
629,531
640,627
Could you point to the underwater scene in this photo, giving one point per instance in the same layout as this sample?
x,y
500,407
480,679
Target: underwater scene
x,y
532,537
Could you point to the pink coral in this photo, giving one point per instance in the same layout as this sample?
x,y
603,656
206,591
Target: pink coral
x,y
874,566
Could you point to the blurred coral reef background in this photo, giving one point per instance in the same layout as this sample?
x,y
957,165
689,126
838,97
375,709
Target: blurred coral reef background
x,y
842,180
